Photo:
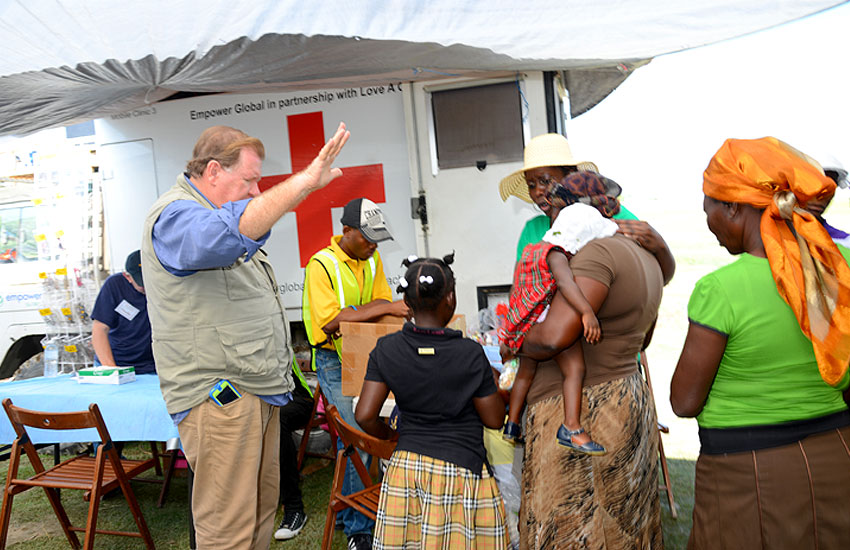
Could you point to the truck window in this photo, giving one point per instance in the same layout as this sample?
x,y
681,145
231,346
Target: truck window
x,y
27,245
480,123
17,235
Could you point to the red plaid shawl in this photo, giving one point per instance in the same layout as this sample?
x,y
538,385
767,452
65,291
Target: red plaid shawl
x,y
534,287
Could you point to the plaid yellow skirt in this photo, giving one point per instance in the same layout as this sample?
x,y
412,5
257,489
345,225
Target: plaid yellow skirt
x,y
431,503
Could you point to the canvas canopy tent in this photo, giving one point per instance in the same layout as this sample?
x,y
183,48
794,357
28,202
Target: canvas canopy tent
x,y
65,61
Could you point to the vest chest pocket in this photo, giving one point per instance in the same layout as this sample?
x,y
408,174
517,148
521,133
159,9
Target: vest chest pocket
x,y
247,281
249,347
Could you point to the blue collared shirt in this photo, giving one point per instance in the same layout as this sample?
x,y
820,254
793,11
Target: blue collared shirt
x,y
214,241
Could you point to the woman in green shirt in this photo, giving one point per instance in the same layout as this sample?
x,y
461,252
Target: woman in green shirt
x,y
774,465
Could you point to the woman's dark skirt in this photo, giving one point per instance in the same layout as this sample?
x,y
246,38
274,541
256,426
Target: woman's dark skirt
x,y
794,497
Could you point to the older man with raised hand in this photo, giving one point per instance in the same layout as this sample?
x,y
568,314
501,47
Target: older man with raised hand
x,y
220,335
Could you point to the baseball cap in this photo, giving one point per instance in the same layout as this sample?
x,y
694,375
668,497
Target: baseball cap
x,y
133,266
366,216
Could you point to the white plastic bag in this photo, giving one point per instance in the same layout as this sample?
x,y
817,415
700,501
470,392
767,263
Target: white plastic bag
x,y
510,489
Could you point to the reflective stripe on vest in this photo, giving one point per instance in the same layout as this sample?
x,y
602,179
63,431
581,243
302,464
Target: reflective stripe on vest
x,y
298,374
347,290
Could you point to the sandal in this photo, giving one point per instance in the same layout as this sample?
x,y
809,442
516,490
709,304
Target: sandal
x,y
512,431
565,438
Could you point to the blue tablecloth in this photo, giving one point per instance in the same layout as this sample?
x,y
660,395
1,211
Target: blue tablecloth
x,y
133,412
492,353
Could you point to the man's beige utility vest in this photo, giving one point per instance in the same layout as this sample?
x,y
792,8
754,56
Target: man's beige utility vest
x,y
224,323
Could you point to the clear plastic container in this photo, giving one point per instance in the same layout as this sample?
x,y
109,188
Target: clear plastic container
x,y
506,379
51,359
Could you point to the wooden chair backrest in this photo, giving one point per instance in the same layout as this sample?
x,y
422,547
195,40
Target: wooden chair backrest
x,y
380,448
56,420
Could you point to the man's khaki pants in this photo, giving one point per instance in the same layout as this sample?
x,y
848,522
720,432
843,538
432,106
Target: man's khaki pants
x,y
233,451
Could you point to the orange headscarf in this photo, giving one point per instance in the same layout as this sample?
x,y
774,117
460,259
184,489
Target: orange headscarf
x,y
811,274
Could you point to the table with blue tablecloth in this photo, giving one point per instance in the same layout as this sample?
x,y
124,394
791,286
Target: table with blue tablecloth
x,y
134,411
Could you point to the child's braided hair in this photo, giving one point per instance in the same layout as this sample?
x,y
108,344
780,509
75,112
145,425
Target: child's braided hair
x,y
427,281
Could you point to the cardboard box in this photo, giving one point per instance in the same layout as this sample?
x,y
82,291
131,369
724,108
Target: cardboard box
x,y
106,375
358,341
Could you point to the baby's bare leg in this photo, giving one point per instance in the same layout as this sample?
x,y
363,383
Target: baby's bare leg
x,y
571,363
522,383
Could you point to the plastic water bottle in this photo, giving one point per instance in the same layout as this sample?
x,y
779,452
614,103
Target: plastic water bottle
x,y
51,360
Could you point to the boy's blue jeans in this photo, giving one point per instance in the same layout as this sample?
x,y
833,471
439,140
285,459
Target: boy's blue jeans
x,y
329,373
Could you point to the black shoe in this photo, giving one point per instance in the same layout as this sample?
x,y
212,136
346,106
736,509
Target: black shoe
x,y
360,541
512,431
291,525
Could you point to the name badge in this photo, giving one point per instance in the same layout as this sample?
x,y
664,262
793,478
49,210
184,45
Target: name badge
x,y
127,310
426,351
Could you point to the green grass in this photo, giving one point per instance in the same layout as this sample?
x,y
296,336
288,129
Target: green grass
x,y
676,532
34,526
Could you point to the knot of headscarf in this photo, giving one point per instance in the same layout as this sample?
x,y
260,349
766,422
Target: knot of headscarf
x,y
811,274
588,188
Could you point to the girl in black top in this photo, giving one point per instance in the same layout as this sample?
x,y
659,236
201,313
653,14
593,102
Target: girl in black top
x,y
437,491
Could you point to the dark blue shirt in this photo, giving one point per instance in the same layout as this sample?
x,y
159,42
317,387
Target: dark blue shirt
x,y
125,311
435,374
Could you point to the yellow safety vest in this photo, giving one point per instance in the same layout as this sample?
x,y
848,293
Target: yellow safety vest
x,y
347,290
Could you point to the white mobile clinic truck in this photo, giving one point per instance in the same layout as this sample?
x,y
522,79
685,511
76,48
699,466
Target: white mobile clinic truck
x,y
431,154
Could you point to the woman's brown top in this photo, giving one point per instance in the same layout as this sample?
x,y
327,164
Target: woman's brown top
x,y
634,283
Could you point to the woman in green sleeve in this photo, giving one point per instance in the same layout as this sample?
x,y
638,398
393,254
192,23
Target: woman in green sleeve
x,y
764,364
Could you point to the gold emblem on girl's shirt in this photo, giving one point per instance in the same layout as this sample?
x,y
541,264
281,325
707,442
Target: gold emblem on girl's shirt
x,y
426,351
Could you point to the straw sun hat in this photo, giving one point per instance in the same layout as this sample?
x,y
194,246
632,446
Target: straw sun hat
x,y
545,150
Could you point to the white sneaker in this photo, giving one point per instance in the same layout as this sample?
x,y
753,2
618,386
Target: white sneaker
x,y
360,541
291,525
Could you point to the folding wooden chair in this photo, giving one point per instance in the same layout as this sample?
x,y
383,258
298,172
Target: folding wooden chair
x,y
316,419
365,501
667,486
95,475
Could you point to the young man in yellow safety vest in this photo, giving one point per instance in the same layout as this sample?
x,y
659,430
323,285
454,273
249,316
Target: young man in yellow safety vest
x,y
345,282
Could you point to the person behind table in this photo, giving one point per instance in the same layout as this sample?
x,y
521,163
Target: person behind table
x,y
543,270
764,363
345,282
437,492
121,331
547,159
612,499
294,415
220,334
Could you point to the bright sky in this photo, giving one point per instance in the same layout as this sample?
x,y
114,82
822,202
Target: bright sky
x,y
656,133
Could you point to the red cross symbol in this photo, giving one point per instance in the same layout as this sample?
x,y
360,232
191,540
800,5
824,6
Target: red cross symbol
x,y
313,215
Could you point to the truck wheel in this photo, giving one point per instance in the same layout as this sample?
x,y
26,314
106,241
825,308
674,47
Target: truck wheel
x,y
19,353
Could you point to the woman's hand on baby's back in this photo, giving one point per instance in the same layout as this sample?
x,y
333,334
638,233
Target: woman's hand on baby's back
x,y
642,233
